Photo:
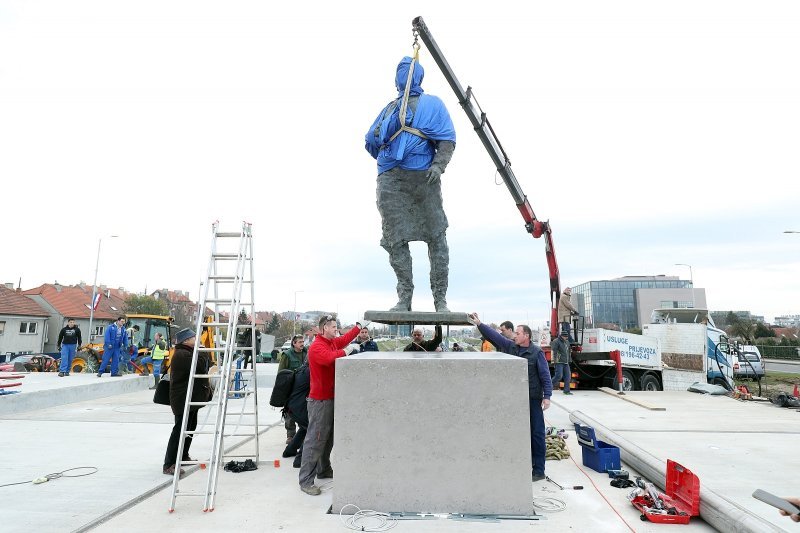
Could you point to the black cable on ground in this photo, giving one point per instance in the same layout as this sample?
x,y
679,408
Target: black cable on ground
x,y
56,475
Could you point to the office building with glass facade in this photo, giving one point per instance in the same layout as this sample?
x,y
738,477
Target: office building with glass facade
x,y
629,301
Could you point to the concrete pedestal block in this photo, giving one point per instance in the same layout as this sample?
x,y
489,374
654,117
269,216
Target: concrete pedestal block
x,y
432,432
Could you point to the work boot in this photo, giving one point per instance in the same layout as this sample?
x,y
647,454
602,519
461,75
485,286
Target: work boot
x,y
155,382
145,371
313,490
170,470
328,474
537,477
61,374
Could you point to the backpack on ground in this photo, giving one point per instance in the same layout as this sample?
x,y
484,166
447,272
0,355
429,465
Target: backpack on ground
x,y
282,389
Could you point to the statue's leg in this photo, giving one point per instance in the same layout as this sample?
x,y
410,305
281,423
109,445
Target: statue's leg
x,y
400,259
439,256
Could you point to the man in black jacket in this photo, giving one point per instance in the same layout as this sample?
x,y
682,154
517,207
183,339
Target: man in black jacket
x,y
69,338
419,345
297,410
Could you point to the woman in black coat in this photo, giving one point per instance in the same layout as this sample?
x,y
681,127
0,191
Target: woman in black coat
x,y
179,370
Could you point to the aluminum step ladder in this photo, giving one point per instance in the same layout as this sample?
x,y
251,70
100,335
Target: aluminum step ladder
x,y
229,275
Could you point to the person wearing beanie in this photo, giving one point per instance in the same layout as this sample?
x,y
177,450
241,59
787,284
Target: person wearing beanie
x,y
179,371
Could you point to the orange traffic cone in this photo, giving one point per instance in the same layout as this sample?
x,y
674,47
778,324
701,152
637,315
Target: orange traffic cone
x,y
795,393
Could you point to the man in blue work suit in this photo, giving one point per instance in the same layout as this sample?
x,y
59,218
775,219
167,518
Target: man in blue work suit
x,y
115,342
540,388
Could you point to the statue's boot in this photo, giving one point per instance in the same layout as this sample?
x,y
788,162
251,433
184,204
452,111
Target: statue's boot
x,y
400,259
439,256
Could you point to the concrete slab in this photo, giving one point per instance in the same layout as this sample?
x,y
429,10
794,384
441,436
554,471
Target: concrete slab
x,y
42,390
422,318
413,430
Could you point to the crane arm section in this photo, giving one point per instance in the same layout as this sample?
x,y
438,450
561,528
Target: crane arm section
x,y
483,128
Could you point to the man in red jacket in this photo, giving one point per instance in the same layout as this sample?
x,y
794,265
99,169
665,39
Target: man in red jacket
x,y
322,356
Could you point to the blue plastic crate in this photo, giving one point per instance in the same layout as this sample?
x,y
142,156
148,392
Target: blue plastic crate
x,y
597,455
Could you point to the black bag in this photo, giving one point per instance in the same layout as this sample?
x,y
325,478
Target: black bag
x,y
162,392
284,382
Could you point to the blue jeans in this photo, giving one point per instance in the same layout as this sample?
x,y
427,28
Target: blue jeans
x,y
538,446
67,354
155,362
561,372
113,355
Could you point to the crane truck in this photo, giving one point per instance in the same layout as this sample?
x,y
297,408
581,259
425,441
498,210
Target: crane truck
x,y
701,350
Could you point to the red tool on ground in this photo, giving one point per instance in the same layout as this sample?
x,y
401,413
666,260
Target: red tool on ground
x,y
9,385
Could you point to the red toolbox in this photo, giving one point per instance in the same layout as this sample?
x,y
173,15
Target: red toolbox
x,y
682,494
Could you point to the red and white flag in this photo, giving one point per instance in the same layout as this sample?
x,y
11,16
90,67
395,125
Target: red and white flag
x,y
96,301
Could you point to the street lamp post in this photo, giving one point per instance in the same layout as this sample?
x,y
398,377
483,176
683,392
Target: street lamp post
x,y
94,294
294,316
691,279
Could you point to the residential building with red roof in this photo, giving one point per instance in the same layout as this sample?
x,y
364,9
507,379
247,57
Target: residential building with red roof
x,y
23,323
63,302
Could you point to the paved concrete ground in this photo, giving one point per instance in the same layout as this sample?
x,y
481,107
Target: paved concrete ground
x,y
733,446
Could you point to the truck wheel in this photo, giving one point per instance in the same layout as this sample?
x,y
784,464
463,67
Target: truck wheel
x,y
628,380
77,365
650,383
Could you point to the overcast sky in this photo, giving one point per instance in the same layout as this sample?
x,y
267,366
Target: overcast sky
x,y
648,133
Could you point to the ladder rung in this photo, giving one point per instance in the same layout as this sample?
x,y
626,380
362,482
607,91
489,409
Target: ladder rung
x,y
242,391
235,413
201,403
208,376
227,257
228,234
211,349
228,278
179,493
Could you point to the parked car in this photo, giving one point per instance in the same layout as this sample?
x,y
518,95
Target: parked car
x,y
748,363
36,362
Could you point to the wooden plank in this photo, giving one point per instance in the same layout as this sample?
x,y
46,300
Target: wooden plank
x,y
628,398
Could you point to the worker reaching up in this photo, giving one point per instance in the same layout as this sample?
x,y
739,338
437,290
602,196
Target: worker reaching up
x,y
412,155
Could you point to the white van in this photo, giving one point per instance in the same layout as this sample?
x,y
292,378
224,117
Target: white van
x,y
748,363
